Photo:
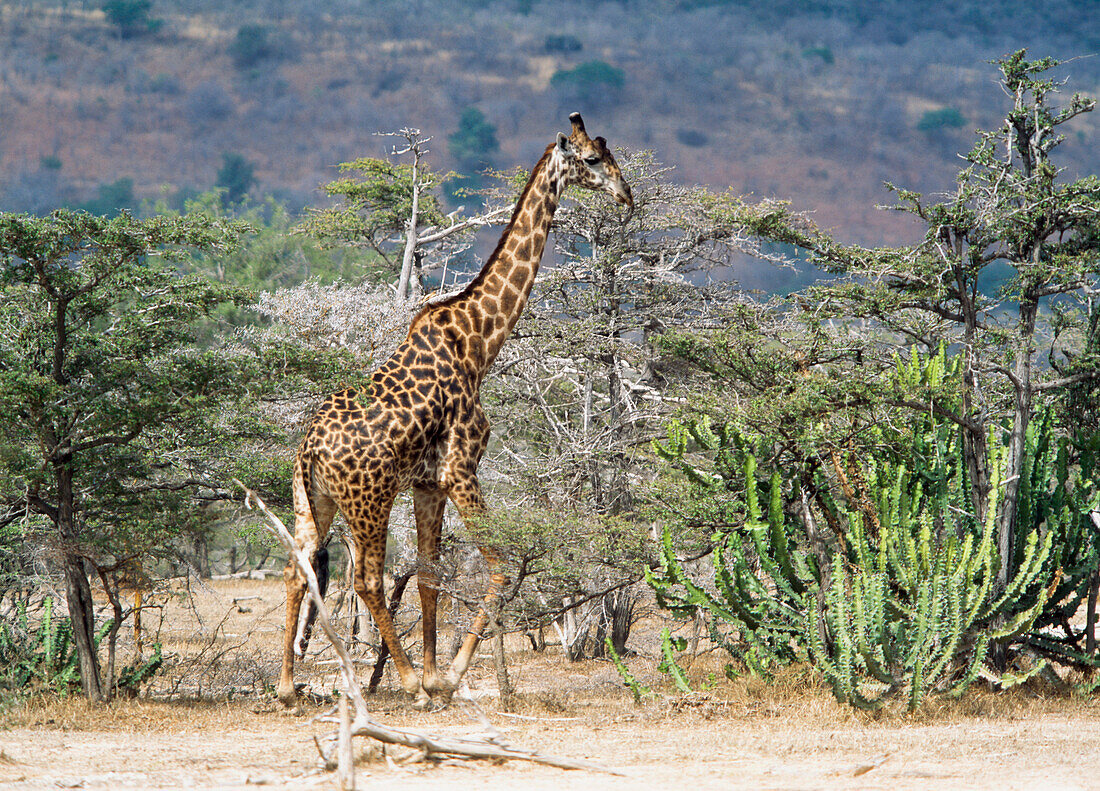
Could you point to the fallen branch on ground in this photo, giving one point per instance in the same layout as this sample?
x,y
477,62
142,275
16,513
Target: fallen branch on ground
x,y
363,724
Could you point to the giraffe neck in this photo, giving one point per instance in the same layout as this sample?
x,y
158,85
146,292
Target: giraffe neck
x,y
495,299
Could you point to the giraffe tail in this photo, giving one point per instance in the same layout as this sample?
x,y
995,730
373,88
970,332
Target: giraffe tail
x,y
320,559
321,570
303,478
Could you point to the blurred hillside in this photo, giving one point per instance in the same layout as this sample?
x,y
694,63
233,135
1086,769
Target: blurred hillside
x,y
815,101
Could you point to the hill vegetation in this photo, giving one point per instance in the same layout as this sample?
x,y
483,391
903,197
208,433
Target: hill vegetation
x,y
814,101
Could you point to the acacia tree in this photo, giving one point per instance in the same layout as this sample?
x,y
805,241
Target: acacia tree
x,y
578,395
108,406
393,209
1012,211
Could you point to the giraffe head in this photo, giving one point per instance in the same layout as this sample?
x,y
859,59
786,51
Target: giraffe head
x,y
589,163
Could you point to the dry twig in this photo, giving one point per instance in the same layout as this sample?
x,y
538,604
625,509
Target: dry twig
x,y
363,724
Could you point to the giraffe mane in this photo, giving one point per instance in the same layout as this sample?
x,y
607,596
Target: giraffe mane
x,y
452,296
439,299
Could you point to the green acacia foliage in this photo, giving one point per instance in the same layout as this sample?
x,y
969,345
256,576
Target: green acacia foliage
x,y
376,202
272,256
590,83
943,118
252,44
1006,270
236,176
875,569
111,413
131,16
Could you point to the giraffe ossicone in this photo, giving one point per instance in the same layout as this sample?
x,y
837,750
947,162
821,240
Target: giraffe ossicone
x,y
422,426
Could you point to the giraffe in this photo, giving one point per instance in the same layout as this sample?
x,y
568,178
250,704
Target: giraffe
x,y
419,425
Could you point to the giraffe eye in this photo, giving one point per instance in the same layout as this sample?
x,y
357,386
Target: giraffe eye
x,y
592,160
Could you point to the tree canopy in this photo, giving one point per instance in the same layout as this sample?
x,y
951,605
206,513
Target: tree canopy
x,y
109,409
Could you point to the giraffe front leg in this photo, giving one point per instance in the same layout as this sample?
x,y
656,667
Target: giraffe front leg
x,y
368,584
465,493
497,583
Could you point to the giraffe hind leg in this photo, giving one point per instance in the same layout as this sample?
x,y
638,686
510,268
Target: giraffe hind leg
x,y
369,535
313,515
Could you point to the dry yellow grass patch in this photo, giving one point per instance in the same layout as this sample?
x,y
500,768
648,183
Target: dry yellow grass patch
x,y
789,733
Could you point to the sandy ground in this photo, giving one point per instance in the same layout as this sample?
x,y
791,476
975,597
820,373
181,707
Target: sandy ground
x,y
1052,751
745,735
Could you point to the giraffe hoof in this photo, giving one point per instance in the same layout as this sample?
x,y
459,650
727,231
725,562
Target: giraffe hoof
x,y
288,697
423,701
432,703
436,685
439,704
441,694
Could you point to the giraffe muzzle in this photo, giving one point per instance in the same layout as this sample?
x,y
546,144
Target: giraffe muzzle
x,y
623,196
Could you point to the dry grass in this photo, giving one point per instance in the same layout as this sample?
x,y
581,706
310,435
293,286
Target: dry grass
x,y
223,640
133,716
744,733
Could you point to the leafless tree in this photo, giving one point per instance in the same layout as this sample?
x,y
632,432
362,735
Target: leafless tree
x,y
579,392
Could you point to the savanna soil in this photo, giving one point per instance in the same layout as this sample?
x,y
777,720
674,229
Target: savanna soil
x,y
790,735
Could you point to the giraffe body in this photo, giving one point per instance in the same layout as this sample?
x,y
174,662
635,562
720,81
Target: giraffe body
x,y
421,425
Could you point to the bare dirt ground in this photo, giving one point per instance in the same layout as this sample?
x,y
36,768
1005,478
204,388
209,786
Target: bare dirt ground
x,y
210,723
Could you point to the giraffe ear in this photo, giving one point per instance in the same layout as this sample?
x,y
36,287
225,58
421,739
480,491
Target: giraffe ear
x,y
563,142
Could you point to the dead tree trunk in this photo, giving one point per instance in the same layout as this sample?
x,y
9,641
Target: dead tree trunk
x,y
504,684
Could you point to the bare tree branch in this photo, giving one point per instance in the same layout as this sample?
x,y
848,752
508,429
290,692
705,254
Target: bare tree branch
x,y
364,725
